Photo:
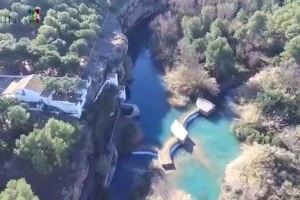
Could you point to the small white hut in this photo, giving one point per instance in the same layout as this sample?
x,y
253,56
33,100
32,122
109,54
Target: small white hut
x,y
179,131
205,107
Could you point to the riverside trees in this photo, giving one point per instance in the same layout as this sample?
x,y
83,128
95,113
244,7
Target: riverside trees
x,y
226,40
272,97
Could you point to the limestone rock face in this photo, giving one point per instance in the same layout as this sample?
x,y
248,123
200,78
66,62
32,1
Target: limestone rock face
x,y
262,172
134,11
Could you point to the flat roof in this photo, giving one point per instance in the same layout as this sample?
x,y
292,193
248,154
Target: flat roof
x,y
31,82
205,105
5,81
178,130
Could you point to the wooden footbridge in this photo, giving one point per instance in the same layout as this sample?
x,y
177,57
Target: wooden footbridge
x,y
179,137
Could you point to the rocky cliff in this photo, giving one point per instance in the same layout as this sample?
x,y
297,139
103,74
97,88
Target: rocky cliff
x,y
109,53
134,11
262,172
111,47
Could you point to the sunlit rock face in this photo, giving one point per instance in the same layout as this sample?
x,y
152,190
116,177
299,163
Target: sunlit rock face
x,y
262,172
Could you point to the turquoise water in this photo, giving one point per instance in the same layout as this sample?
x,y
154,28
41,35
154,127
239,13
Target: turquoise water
x,y
199,174
202,174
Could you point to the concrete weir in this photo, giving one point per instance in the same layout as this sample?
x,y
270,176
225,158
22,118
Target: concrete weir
x,y
203,107
181,138
166,152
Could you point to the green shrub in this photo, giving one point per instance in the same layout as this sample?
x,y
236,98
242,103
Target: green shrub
x,y
18,190
276,103
243,131
17,116
277,141
48,147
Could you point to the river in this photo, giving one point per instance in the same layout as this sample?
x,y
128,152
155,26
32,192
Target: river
x,y
199,174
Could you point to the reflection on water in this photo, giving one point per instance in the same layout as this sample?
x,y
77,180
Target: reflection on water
x,y
201,173
198,174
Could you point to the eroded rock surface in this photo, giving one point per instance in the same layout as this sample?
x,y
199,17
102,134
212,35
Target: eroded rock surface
x,y
109,53
134,11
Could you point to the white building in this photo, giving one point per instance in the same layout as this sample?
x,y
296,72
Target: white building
x,y
32,90
205,107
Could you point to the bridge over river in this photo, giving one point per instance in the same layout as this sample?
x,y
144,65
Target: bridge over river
x,y
165,154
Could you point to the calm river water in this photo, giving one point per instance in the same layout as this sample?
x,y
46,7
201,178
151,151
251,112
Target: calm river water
x,y
199,174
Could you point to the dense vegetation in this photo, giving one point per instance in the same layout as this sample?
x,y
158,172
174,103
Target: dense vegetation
x,y
269,103
48,147
18,189
219,42
211,46
262,172
61,42
208,46
9,110
14,121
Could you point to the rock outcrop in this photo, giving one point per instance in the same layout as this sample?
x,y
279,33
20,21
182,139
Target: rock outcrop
x,y
262,172
135,11
109,53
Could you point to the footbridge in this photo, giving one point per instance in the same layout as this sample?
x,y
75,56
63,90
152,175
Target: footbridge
x,y
181,139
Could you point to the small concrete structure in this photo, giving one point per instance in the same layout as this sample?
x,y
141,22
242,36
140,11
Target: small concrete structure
x,y
205,107
179,131
135,109
165,156
179,134
122,93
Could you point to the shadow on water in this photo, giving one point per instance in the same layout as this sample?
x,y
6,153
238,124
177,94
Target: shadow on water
x,y
212,142
147,89
148,92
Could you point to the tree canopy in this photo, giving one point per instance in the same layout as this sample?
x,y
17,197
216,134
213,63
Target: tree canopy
x,y
293,48
68,28
18,189
17,116
219,57
5,105
49,147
